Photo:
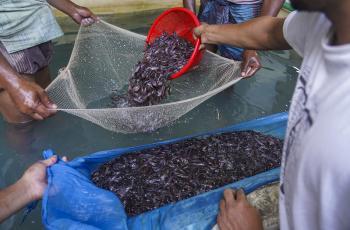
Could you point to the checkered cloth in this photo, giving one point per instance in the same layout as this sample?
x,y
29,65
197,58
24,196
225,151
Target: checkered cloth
x,y
225,12
29,61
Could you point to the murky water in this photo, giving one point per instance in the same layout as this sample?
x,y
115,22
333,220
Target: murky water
x,y
267,93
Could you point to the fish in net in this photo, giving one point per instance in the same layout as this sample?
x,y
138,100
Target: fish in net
x,y
103,60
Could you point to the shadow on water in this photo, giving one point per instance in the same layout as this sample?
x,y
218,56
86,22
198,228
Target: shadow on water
x,y
267,93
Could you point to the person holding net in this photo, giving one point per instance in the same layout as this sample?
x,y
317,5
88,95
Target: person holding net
x,y
235,11
26,30
314,187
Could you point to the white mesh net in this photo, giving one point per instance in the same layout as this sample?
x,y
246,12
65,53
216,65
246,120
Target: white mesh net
x,y
104,57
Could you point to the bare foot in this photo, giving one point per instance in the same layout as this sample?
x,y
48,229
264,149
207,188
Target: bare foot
x,y
236,213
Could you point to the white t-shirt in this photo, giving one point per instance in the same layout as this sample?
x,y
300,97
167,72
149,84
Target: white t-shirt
x,y
315,176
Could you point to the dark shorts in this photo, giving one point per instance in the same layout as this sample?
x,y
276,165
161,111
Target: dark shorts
x,y
31,60
225,12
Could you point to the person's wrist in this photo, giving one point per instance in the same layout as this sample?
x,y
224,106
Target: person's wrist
x,y
27,193
12,83
71,9
212,34
249,53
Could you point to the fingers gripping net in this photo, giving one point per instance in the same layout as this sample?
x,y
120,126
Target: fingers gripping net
x,y
103,59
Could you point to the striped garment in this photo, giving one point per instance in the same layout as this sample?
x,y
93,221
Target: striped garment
x,y
31,60
224,12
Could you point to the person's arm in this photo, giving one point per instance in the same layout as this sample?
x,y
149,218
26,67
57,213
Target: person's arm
x,y
79,14
262,33
190,4
29,98
29,188
251,63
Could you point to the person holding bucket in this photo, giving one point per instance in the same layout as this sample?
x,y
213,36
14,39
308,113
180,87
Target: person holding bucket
x,y
235,11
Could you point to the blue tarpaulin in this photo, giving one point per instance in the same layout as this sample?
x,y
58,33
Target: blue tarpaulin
x,y
72,201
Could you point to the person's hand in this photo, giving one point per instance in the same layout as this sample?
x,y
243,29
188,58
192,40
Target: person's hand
x,y
250,63
31,99
34,178
30,187
83,15
202,33
236,213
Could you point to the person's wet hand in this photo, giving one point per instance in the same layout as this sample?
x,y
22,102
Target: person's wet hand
x,y
236,213
31,99
34,178
250,63
202,33
83,15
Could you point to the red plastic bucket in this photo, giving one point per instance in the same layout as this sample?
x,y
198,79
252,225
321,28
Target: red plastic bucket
x,y
182,21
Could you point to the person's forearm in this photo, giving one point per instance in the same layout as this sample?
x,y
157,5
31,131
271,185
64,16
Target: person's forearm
x,y
81,15
262,33
271,7
8,76
66,6
14,198
190,4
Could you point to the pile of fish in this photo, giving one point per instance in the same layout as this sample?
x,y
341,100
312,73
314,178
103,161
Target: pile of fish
x,y
151,178
149,83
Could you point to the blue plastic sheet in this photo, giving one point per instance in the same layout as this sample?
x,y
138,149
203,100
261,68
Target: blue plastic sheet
x,y
72,201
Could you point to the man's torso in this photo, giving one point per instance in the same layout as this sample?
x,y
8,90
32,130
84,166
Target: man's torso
x,y
318,132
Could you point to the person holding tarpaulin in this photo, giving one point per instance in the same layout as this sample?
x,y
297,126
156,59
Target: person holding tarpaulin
x,y
30,187
314,186
235,11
